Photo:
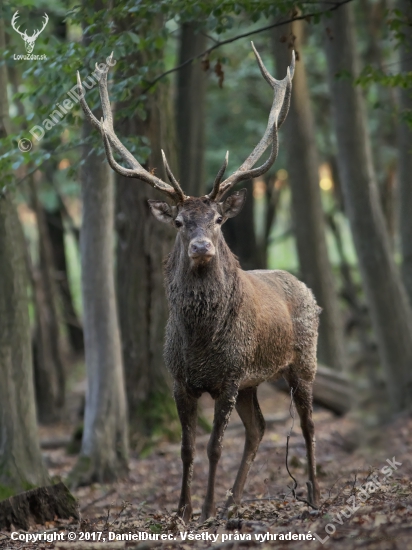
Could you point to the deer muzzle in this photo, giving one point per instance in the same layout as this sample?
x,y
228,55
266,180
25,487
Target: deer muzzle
x,y
201,250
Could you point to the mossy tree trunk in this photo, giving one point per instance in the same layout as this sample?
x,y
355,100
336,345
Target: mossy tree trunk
x,y
21,465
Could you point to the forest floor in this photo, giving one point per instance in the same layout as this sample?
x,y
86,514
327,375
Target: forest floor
x,y
347,459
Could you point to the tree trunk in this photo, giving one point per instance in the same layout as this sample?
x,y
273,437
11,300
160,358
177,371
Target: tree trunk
x,y
386,295
4,104
105,444
49,364
21,465
240,234
55,227
371,15
309,223
142,245
190,111
405,152
104,452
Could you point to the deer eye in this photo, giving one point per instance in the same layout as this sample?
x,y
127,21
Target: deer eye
x,y
219,220
178,223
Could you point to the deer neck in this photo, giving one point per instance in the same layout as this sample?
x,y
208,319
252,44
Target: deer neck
x,y
204,294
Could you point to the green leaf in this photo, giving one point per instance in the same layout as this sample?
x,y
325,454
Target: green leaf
x,y
134,37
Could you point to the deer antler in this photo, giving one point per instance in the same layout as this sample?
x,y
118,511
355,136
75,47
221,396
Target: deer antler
x,y
13,22
110,140
36,33
280,107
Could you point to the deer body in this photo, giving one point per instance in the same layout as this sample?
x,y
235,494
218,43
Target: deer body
x,y
228,329
226,323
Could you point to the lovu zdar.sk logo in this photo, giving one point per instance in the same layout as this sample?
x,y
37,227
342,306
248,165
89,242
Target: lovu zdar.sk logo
x,y
29,41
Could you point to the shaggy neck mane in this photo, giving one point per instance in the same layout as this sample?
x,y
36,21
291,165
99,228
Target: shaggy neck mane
x,y
205,293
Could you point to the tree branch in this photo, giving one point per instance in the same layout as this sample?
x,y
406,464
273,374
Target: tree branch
x,y
335,6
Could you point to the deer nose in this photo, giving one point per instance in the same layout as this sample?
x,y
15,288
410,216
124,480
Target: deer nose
x,y
201,248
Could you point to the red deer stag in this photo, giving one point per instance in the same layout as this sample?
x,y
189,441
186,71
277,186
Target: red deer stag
x,y
228,330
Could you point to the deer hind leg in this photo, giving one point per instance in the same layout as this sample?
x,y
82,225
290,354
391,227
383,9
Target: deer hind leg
x,y
302,396
223,408
187,409
249,411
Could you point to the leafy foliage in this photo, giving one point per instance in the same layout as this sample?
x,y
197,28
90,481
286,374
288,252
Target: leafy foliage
x,y
43,86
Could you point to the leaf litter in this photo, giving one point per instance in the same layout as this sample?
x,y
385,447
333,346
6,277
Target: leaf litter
x,y
348,457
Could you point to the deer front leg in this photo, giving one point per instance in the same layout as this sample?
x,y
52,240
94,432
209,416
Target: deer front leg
x,y
187,409
223,408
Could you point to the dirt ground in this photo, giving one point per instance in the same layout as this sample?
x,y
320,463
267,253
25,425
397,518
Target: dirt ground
x,y
380,517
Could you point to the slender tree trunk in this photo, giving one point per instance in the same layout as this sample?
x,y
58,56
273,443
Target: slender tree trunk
x,y
309,222
49,364
56,232
371,14
21,465
190,111
104,452
142,245
405,152
386,295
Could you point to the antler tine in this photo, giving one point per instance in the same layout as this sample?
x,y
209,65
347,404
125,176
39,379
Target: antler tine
x,y
220,174
110,139
86,109
104,94
120,148
280,106
144,175
173,180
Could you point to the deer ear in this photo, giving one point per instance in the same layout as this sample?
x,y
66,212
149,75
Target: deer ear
x,y
162,211
233,204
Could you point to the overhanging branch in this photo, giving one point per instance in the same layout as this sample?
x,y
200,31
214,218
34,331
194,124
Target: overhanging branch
x,y
335,6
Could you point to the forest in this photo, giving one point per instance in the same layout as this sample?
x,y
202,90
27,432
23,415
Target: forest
x,y
134,354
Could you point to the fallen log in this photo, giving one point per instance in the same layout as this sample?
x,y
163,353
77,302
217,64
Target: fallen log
x,y
331,389
38,506
55,443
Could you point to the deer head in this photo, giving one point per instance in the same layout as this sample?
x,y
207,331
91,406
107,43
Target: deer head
x,y
198,220
29,41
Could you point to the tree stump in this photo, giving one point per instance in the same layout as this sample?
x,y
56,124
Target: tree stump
x,y
38,506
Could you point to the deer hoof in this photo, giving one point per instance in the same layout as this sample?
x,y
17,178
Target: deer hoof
x,y
207,513
185,512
